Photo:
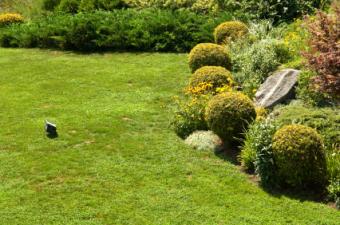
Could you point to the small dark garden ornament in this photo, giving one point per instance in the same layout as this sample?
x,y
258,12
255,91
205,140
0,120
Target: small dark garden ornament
x,y
51,129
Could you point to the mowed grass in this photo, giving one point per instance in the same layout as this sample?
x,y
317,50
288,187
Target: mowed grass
x,y
116,161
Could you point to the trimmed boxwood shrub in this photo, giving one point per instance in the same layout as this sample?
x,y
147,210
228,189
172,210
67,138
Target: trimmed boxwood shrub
x,y
229,114
229,31
299,156
208,54
215,76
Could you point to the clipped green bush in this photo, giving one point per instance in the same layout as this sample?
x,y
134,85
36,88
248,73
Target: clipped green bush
x,y
325,120
208,54
214,76
229,31
299,156
10,18
229,115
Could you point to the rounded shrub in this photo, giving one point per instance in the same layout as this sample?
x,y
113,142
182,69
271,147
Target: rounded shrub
x,y
204,140
299,156
208,54
230,30
229,114
214,76
10,18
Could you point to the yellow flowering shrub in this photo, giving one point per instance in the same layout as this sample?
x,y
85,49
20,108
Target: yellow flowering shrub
x,y
210,79
10,18
189,115
261,113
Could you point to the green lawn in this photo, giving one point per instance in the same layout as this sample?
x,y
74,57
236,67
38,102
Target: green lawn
x,y
116,161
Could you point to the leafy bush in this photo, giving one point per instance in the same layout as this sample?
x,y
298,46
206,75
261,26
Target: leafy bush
x,y
229,114
257,154
334,192
129,30
252,64
189,116
325,120
10,18
307,93
204,140
208,54
324,54
277,10
299,156
199,6
215,76
261,113
75,6
50,4
69,6
229,31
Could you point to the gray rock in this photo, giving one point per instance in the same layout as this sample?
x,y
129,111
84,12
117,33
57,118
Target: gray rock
x,y
277,88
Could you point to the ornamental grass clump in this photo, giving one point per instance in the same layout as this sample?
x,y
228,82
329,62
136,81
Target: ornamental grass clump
x,y
10,18
229,114
208,54
299,157
210,79
229,31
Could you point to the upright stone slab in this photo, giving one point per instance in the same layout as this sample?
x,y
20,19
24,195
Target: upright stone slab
x,y
277,88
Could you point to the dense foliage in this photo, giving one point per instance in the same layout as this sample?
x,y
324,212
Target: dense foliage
x,y
299,156
214,77
324,54
10,18
208,54
128,30
229,31
229,114
74,6
257,154
189,115
204,140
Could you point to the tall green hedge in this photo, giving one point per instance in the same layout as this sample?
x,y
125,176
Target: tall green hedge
x,y
127,30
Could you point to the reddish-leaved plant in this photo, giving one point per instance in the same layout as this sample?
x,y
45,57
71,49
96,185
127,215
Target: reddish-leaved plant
x,y
324,52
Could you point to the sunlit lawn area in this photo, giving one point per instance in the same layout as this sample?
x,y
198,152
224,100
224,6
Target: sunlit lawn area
x,y
116,160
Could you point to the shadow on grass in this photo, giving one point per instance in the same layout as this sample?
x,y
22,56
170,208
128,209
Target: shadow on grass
x,y
308,194
231,155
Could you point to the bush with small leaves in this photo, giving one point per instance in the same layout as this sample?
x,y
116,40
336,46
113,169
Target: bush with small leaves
x,y
208,54
229,31
204,140
10,18
229,115
215,76
300,157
